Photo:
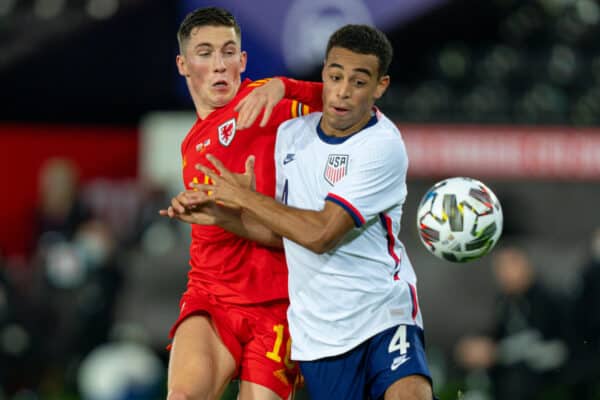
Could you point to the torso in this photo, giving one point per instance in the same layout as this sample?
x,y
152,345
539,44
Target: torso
x,y
363,286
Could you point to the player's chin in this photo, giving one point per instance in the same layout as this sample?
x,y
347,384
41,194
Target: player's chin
x,y
221,100
340,123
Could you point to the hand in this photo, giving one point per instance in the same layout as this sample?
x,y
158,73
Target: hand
x,y
195,207
227,187
185,203
264,97
247,180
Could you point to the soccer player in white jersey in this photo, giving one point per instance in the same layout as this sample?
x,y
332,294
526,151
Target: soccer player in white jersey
x,y
354,318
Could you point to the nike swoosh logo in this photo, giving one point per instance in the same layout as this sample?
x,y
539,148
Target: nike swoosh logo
x,y
398,361
288,159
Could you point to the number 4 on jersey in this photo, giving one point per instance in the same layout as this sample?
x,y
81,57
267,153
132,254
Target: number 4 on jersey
x,y
399,341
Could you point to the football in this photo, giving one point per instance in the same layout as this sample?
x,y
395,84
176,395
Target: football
x,y
459,219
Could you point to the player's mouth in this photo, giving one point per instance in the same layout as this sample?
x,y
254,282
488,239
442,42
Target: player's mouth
x,y
339,110
220,85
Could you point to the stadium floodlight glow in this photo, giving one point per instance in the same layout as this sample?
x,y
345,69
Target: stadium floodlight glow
x,y
47,9
102,9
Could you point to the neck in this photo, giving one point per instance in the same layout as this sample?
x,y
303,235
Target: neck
x,y
202,108
203,111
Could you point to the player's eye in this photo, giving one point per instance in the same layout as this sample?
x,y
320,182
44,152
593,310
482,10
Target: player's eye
x,y
335,78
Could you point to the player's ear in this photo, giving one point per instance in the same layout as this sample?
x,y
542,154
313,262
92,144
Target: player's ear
x,y
382,86
243,60
181,65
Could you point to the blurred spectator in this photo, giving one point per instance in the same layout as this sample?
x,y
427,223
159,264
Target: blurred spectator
x,y
60,209
77,285
13,338
124,368
584,368
526,350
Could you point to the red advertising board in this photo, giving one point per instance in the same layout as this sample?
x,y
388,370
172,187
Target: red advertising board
x,y
110,152
503,152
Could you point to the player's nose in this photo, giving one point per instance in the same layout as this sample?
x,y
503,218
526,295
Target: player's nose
x,y
343,90
218,63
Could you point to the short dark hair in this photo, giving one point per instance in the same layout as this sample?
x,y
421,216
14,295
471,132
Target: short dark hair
x,y
209,16
364,39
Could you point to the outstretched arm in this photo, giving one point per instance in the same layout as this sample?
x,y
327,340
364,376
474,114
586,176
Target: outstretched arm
x,y
194,207
319,231
266,97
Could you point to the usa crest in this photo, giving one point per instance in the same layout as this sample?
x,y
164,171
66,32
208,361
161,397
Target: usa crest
x,y
336,168
227,132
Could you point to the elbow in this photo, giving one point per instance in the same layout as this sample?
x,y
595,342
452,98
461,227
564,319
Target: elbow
x,y
276,242
317,248
319,244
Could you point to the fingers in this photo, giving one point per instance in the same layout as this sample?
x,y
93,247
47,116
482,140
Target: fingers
x,y
203,187
167,212
208,172
198,196
224,173
217,164
197,218
178,203
268,110
250,172
250,165
240,105
198,215
184,203
242,109
249,110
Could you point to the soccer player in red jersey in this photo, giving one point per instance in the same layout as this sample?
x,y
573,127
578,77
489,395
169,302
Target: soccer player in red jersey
x,y
232,321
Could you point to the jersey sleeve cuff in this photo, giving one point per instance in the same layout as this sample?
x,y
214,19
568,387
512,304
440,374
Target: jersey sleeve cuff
x,y
288,83
359,220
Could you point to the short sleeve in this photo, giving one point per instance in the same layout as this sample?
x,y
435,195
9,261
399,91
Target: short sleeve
x,y
375,180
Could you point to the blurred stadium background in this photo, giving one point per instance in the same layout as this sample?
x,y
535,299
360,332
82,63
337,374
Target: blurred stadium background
x,y
92,115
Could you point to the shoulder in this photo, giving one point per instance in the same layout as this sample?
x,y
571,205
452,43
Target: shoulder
x,y
247,86
309,121
381,147
387,129
385,137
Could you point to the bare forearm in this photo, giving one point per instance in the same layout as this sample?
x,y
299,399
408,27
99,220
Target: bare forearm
x,y
305,227
249,228
318,231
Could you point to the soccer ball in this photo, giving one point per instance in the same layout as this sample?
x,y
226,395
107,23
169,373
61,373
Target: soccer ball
x,y
459,219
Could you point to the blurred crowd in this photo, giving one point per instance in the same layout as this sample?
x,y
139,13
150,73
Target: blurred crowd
x,y
544,344
58,332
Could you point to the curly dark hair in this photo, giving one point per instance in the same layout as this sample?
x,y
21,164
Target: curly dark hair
x,y
364,39
209,16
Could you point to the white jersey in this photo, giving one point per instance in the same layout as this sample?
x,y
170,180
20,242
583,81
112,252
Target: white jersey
x,y
366,284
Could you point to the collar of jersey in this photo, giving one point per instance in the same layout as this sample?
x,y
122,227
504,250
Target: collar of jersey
x,y
337,140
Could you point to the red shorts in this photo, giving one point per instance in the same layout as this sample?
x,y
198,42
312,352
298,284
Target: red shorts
x,y
256,335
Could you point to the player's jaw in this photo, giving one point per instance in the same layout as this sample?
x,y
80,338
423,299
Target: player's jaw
x,y
343,118
222,90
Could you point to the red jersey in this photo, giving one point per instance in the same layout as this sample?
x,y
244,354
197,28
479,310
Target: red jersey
x,y
238,270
